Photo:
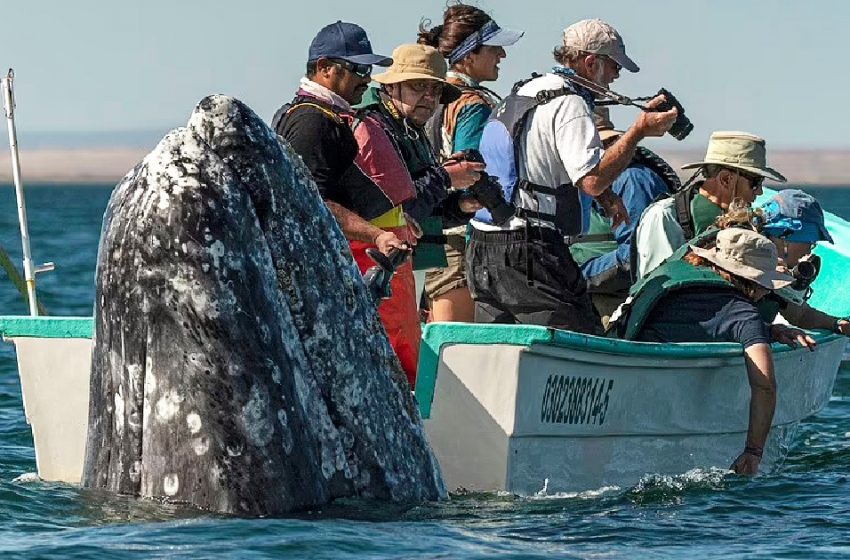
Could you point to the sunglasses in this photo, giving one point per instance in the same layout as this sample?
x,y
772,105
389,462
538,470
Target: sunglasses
x,y
756,181
359,70
616,64
430,86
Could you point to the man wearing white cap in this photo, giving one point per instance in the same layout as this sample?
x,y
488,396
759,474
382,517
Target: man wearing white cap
x,y
543,147
734,167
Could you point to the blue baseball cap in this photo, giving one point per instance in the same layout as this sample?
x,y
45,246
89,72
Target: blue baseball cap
x,y
346,41
795,216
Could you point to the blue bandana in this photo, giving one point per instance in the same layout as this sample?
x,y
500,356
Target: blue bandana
x,y
472,42
583,92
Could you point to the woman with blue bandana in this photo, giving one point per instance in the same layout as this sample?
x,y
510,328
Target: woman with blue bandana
x,y
794,221
473,44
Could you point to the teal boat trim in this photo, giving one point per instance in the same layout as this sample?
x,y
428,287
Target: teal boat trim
x,y
22,326
437,335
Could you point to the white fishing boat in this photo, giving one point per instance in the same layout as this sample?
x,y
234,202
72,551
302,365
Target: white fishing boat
x,y
528,408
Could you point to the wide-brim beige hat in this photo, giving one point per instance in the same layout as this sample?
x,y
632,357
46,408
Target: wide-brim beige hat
x,y
604,126
739,150
749,255
419,62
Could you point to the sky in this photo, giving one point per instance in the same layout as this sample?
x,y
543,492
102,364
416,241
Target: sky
x,y
125,72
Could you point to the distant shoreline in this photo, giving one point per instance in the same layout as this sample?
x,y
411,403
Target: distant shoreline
x,y
106,166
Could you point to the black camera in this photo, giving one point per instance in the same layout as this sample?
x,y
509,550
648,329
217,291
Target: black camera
x,y
378,277
488,191
683,125
805,272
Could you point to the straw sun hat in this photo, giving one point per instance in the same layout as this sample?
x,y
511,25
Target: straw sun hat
x,y
739,150
749,255
419,62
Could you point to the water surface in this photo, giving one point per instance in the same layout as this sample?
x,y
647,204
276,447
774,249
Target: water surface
x,y
803,511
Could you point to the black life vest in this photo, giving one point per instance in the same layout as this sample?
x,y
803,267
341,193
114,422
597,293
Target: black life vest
x,y
557,207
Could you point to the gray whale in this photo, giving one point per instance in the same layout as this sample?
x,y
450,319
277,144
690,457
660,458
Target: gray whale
x,y
238,361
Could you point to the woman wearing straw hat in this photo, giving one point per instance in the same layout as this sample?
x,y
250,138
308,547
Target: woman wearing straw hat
x,y
711,295
393,147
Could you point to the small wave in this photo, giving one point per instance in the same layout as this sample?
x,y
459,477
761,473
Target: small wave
x,y
544,494
27,478
661,486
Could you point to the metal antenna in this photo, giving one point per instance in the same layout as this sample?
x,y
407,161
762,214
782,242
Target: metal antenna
x,y
29,270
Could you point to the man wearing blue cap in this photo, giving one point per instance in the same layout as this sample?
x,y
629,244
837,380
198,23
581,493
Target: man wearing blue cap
x,y
794,221
317,126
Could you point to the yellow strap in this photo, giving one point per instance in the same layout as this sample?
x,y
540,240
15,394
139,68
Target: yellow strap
x,y
336,118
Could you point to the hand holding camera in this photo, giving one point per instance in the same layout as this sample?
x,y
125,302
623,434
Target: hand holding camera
x,y
487,190
655,120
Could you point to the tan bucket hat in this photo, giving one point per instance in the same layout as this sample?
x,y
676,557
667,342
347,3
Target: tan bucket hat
x,y
749,255
739,150
419,62
598,37
604,126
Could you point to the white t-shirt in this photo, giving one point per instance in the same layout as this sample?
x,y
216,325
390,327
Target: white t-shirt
x,y
560,144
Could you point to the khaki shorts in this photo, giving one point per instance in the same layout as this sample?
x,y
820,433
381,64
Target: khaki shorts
x,y
440,281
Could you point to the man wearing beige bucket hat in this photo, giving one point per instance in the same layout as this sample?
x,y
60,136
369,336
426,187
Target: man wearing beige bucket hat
x,y
711,295
395,153
734,167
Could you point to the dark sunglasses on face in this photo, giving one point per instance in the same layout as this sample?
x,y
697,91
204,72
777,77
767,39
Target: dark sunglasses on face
x,y
359,70
616,64
755,181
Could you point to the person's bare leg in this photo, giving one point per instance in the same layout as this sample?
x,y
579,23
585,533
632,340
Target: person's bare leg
x,y
453,306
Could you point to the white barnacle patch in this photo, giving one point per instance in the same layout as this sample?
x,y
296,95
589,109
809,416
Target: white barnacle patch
x,y
163,203
168,405
119,411
135,373
286,432
200,445
180,284
216,251
135,471
255,417
170,484
193,420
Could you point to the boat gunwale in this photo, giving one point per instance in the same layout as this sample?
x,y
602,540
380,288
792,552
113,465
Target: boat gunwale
x,y
435,336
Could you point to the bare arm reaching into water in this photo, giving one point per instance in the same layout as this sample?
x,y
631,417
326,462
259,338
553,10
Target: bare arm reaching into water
x,y
759,360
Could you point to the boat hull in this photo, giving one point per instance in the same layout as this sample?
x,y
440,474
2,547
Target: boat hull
x,y
567,412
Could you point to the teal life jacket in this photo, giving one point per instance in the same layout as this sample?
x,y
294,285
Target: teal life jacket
x,y
675,275
672,276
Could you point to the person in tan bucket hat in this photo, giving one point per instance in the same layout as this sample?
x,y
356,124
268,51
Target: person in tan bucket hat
x,y
713,295
734,168
395,153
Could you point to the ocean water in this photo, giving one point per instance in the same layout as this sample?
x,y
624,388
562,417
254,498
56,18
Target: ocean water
x,y
803,511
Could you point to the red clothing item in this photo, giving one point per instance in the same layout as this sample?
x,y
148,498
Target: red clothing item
x,y
399,313
379,159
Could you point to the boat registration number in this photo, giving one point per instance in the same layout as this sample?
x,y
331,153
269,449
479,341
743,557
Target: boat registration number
x,y
575,400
